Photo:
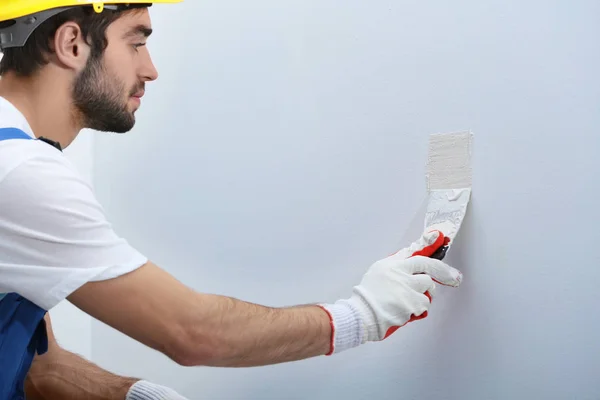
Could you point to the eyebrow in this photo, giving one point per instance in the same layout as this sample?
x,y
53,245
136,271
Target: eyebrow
x,y
142,30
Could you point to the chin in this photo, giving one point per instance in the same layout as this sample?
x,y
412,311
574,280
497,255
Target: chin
x,y
116,128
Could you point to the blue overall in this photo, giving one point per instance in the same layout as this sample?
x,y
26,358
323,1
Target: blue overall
x,y
22,328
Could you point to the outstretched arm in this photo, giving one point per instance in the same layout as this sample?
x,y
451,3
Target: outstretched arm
x,y
194,328
60,374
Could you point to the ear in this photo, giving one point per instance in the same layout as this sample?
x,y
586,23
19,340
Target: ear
x,y
70,47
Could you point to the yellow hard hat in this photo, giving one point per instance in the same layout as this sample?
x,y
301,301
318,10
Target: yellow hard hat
x,y
19,18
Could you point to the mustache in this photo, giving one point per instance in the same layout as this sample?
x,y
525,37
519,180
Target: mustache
x,y
139,88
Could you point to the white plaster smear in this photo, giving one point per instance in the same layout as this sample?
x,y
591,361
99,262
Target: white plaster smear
x,y
449,161
449,178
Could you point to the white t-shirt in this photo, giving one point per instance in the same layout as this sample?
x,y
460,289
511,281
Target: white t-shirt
x,y
54,235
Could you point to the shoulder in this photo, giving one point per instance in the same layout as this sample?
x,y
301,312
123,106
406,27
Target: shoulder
x,y
54,235
23,156
44,199
34,173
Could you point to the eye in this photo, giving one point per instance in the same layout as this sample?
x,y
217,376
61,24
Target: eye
x,y
138,45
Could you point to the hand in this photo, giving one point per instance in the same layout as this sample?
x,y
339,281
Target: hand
x,y
144,390
394,291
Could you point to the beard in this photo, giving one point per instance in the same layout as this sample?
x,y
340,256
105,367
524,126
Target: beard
x,y
100,99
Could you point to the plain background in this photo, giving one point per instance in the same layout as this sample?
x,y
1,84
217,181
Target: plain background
x,y
283,151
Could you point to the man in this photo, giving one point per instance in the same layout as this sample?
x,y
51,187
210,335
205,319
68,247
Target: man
x,y
86,67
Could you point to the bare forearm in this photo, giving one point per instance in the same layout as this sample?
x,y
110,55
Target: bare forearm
x,y
235,333
194,328
62,375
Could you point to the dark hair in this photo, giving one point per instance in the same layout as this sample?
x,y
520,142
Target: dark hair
x,y
26,60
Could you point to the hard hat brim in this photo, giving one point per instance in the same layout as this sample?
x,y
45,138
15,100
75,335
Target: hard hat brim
x,y
19,18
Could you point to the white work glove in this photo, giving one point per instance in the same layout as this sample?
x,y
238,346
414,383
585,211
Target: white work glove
x,y
144,390
394,291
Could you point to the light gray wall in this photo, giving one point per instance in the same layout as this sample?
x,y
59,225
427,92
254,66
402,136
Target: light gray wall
x,y
287,152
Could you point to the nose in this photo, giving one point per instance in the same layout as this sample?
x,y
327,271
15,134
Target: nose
x,y
149,72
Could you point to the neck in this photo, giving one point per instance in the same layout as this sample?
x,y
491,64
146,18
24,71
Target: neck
x,y
45,101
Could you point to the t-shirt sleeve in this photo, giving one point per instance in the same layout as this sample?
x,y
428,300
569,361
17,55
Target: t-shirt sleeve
x,y
54,235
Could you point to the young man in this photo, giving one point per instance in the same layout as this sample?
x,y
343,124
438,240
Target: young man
x,y
83,66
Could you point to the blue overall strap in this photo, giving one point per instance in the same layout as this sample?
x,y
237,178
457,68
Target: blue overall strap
x,y
22,335
22,327
13,133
